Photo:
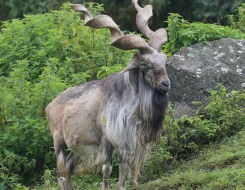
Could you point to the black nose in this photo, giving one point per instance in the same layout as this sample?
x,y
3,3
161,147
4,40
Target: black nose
x,y
166,83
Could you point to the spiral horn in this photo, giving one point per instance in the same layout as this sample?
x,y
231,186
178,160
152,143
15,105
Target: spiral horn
x,y
157,38
118,40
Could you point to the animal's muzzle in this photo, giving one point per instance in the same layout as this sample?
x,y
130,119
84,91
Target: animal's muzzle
x,y
166,85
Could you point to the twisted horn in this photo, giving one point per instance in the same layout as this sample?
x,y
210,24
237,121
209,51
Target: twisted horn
x,y
118,40
157,38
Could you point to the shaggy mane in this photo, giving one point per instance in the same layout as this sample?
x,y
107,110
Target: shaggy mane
x,y
134,113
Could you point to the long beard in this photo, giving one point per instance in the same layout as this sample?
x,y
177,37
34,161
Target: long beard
x,y
153,107
159,103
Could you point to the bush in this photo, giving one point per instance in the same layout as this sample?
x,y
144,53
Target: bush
x,y
181,33
238,21
223,116
41,56
73,50
25,139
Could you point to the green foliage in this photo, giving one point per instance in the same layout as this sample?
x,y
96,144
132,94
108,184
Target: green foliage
x,y
219,165
7,180
50,179
25,139
181,33
158,160
58,37
213,11
223,116
121,11
11,9
41,56
238,21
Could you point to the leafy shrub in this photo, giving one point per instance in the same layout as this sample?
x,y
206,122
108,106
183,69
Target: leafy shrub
x,y
25,139
223,116
238,21
41,56
78,50
181,33
214,11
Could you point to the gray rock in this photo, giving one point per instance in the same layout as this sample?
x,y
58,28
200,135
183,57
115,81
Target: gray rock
x,y
197,69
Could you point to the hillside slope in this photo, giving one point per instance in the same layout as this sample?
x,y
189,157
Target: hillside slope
x,y
218,166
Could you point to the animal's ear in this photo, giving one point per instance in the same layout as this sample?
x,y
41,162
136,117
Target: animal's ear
x,y
134,63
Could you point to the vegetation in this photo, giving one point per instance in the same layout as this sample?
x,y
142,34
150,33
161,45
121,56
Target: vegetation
x,y
181,33
58,40
223,116
218,166
206,11
42,55
238,21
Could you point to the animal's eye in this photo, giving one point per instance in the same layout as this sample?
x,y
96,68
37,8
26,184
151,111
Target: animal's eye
x,y
143,65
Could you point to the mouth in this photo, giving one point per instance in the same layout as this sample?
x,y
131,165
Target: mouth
x,y
163,89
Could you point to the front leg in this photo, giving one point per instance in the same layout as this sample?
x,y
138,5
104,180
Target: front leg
x,y
106,170
123,170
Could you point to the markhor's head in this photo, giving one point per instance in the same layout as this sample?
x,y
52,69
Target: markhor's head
x,y
152,67
150,60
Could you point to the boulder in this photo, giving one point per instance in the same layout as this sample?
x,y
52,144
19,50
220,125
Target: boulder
x,y
197,69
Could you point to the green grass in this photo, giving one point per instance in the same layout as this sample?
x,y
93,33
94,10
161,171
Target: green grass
x,y
218,166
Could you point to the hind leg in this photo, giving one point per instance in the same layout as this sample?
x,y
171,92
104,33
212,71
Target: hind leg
x,y
106,170
66,180
106,150
65,166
